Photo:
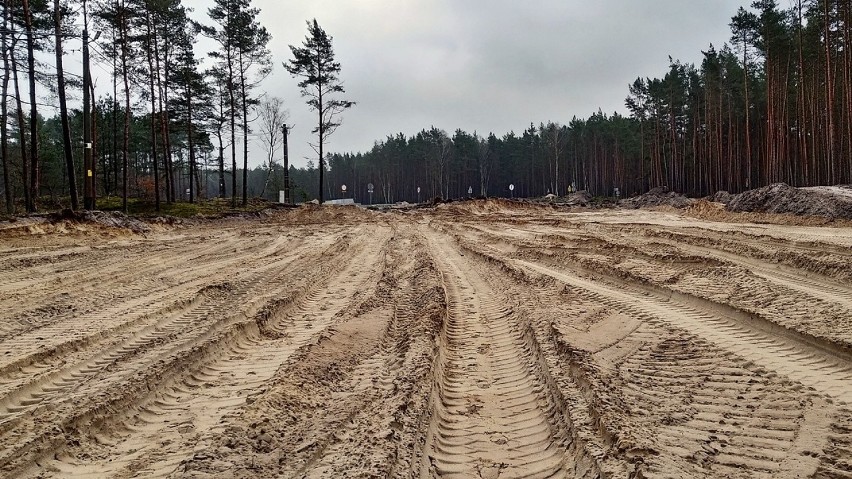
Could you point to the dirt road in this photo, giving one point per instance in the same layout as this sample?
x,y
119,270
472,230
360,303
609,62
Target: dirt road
x,y
484,339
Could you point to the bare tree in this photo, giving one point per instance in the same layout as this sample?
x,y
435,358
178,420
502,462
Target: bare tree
x,y
484,162
273,116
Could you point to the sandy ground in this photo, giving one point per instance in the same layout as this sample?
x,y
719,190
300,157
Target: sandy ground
x,y
482,339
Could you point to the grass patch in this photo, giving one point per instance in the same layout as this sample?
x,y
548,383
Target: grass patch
x,y
146,208
182,209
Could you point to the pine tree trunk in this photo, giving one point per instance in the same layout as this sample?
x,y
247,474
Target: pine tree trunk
x,y
114,152
19,110
190,141
125,74
63,112
321,133
233,112
829,96
162,98
151,73
4,139
244,101
34,159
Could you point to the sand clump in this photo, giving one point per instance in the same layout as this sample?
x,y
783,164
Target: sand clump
x,y
490,206
786,199
67,222
812,205
310,213
659,196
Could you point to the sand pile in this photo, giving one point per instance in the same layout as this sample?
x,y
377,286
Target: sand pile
x,y
310,213
489,206
716,211
80,222
579,198
108,219
783,198
659,196
721,197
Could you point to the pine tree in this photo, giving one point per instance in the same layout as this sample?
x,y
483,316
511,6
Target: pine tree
x,y
254,60
4,120
314,63
59,11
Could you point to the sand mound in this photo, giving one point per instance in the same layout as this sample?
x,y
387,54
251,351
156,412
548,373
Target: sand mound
x,y
722,197
67,222
579,198
310,213
659,196
113,219
783,198
715,211
709,210
488,206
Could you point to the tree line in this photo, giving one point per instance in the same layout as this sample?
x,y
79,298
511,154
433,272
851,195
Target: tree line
x,y
168,122
772,105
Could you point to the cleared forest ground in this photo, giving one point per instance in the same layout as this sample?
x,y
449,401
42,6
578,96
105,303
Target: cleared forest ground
x,y
486,339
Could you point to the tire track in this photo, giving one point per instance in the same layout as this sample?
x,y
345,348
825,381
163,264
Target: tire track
x,y
837,458
708,413
127,309
801,303
59,298
827,290
95,345
387,392
711,415
808,283
817,369
56,398
190,406
488,420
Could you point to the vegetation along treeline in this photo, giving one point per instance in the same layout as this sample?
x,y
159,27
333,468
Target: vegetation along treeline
x,y
773,104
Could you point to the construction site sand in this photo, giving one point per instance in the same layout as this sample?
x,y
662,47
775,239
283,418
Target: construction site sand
x,y
484,339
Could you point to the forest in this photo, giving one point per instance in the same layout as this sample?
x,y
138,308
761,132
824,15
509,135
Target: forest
x,y
773,104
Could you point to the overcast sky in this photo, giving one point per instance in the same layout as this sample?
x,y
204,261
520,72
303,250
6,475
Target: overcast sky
x,y
489,66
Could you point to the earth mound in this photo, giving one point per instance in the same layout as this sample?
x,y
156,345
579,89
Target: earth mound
x,y
659,196
310,213
828,202
489,206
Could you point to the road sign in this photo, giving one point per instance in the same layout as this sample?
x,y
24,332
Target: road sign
x,y
511,187
369,187
470,190
418,189
343,188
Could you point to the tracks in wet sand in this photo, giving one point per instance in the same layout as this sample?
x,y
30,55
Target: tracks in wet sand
x,y
186,409
492,418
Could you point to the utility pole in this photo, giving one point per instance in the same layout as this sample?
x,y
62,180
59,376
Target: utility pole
x,y
287,199
88,167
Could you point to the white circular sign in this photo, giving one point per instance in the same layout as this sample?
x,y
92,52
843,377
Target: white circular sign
x,y
418,189
511,187
343,187
369,188
470,190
